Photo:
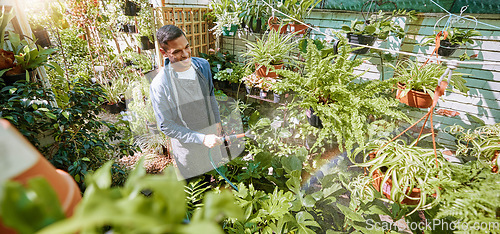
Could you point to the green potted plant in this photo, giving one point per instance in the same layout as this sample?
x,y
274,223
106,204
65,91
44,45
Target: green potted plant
x,y
416,83
299,10
252,14
482,143
227,13
146,26
378,26
402,173
334,91
451,39
270,53
27,58
233,75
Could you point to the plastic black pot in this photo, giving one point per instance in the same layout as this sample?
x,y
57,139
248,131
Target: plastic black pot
x,y
362,40
131,28
130,8
42,37
313,119
446,48
234,86
256,25
11,79
146,44
114,108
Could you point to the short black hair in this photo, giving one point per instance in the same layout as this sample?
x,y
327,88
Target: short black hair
x,y
168,33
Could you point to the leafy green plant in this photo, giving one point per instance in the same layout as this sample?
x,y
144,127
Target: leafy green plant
x,y
425,78
299,9
473,198
271,49
226,12
407,167
145,21
456,36
102,206
80,144
29,208
482,143
142,119
218,60
253,10
379,25
28,56
342,101
233,74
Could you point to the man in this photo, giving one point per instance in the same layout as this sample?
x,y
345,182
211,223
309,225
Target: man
x,y
183,100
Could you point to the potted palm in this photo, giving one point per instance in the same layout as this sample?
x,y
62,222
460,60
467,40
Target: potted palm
x,y
416,83
270,53
403,173
377,26
451,39
299,10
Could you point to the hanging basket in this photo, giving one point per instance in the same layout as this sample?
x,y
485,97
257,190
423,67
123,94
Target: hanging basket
x,y
446,48
362,40
255,25
378,177
274,24
229,31
414,98
262,71
130,8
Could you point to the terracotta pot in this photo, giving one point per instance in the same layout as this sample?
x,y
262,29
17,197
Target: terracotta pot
x,y
26,163
261,72
274,24
299,28
387,186
414,98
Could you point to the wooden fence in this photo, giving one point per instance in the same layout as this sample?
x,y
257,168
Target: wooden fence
x,y
190,20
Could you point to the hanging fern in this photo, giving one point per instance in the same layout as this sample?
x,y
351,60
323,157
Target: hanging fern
x,y
342,100
475,197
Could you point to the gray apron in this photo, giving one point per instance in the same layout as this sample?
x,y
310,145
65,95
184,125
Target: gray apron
x,y
196,114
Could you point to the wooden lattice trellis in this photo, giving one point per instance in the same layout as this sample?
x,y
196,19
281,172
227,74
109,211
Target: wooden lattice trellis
x,y
190,20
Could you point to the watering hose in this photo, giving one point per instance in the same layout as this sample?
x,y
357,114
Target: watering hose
x,y
226,139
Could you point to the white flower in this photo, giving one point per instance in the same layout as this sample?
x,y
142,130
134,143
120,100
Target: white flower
x,y
229,71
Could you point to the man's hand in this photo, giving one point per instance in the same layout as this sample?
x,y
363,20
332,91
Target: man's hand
x,y
211,140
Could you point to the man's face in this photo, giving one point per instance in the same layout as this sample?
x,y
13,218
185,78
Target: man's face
x,y
178,52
